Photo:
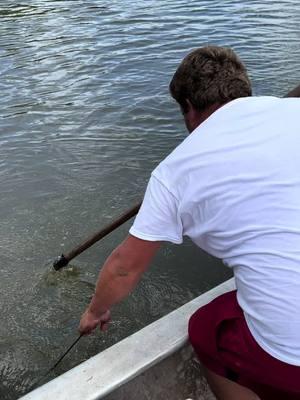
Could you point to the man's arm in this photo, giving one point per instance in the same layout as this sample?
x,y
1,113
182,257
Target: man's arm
x,y
121,272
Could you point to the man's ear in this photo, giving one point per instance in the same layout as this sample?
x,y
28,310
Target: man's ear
x,y
190,109
184,106
189,104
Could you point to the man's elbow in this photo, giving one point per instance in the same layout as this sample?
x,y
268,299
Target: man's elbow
x,y
132,256
121,265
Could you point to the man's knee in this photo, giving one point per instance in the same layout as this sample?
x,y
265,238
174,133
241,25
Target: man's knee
x,y
224,389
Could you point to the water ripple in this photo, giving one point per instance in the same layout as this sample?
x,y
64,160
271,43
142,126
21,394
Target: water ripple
x,y
85,116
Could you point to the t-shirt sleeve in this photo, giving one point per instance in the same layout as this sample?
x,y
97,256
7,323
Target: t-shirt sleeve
x,y
158,218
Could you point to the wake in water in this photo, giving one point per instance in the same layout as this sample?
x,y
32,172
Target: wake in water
x,y
41,326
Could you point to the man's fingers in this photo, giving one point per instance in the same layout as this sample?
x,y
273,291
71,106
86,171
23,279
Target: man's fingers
x,y
89,322
85,330
86,327
85,333
106,316
104,326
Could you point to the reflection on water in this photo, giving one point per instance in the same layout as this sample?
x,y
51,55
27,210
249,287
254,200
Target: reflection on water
x,y
85,116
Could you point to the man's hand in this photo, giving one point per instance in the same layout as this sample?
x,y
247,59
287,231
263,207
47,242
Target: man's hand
x,y
89,322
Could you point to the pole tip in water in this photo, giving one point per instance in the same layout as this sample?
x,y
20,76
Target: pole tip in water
x,y
60,262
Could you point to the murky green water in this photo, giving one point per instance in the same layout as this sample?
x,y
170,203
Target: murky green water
x,y
85,116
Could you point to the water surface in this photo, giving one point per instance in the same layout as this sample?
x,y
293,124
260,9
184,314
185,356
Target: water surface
x,y
85,116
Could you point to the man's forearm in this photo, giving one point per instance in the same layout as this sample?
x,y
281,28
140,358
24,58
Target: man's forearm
x,y
121,272
116,280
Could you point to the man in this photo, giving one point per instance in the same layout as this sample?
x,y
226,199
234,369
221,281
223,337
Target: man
x,y
233,187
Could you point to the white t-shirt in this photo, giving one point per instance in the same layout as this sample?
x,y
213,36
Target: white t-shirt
x,y
233,187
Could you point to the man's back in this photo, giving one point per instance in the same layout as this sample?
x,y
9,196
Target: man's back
x,y
236,184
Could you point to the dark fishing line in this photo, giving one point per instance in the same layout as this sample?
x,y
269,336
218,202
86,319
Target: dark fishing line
x,y
37,384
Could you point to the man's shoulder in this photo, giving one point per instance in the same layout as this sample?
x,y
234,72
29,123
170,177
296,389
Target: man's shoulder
x,y
244,103
216,137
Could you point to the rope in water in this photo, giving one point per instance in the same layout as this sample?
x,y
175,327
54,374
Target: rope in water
x,y
37,384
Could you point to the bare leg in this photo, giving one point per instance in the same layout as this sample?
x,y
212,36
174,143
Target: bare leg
x,y
224,389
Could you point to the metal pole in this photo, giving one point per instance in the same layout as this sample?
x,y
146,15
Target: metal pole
x,y
64,259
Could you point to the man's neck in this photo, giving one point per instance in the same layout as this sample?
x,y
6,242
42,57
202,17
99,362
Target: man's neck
x,y
208,112
194,118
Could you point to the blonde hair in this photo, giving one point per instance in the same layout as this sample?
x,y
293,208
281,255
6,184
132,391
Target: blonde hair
x,y
210,75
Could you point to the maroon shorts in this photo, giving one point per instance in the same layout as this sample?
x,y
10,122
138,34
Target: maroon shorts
x,y
224,344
